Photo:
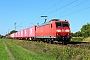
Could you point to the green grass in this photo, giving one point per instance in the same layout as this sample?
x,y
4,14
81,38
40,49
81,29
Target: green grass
x,y
86,39
3,53
20,54
58,52
46,51
77,39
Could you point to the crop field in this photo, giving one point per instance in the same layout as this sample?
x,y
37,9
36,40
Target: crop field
x,y
11,49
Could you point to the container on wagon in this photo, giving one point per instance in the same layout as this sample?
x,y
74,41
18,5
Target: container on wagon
x,y
12,35
18,34
26,33
22,33
32,31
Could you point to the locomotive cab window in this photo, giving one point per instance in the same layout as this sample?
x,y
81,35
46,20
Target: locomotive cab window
x,y
58,24
65,24
62,24
51,25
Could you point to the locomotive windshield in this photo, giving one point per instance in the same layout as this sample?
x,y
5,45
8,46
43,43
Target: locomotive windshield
x,y
65,24
58,24
62,24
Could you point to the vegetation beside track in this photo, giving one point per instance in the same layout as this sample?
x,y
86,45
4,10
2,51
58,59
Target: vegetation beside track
x,y
80,39
58,52
21,53
86,39
31,50
77,39
3,53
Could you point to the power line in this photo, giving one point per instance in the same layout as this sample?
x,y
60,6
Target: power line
x,y
52,6
74,6
63,6
16,26
49,8
58,8
75,11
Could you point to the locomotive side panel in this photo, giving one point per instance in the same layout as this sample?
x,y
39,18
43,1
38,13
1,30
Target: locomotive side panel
x,y
43,31
46,31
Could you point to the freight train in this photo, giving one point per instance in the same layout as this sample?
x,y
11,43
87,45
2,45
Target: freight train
x,y
53,31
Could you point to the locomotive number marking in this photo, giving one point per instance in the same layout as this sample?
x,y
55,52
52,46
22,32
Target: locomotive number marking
x,y
62,30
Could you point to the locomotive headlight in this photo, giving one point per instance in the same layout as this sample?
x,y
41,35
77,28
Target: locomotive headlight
x,y
67,30
58,30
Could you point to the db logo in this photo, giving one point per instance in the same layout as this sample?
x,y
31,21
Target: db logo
x,y
62,30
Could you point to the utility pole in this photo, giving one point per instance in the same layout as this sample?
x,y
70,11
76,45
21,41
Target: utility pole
x,y
44,18
38,24
15,25
8,31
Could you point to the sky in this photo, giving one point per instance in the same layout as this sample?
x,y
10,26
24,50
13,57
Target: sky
x,y
26,13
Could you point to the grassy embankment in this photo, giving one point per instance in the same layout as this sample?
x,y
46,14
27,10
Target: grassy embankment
x,y
21,53
3,53
28,50
44,51
80,39
86,39
77,39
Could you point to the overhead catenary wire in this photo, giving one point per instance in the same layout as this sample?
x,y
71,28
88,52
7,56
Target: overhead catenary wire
x,y
75,11
52,6
49,9
62,7
74,6
59,8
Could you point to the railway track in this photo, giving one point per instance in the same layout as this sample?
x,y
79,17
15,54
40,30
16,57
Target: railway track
x,y
76,44
79,44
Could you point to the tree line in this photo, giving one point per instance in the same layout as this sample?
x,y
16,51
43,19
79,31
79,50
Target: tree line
x,y
13,31
84,31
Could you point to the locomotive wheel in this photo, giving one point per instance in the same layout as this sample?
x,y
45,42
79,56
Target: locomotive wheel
x,y
50,41
47,40
64,42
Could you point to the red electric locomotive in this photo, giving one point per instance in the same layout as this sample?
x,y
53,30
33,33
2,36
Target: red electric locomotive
x,y
54,31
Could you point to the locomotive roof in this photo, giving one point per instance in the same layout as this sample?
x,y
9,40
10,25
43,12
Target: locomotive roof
x,y
50,21
54,20
57,20
44,23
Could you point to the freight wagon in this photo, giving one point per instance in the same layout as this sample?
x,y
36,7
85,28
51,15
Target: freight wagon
x,y
26,34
